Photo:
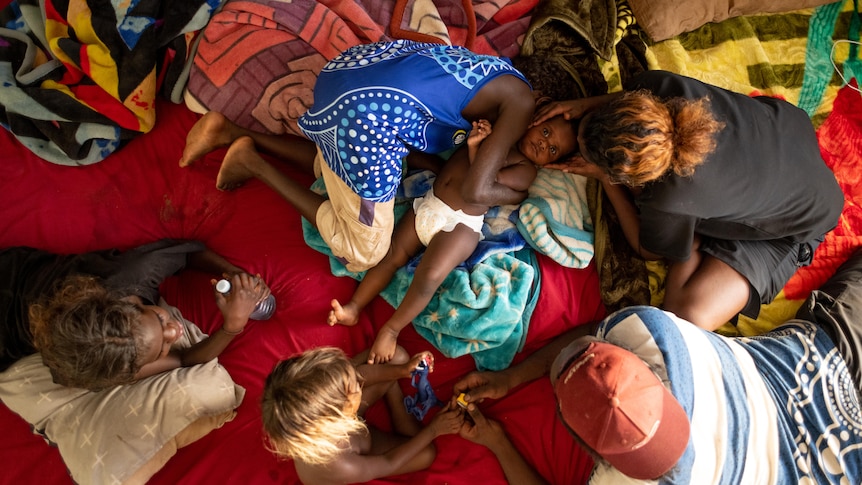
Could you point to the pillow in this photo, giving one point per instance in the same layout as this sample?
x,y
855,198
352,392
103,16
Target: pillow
x,y
125,433
663,19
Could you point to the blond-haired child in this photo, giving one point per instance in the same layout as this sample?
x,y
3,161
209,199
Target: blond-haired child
x,y
312,406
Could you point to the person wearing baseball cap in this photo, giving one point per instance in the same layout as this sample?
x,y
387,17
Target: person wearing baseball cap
x,y
615,404
655,399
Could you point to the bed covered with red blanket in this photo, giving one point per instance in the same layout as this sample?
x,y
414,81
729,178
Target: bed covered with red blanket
x,y
140,194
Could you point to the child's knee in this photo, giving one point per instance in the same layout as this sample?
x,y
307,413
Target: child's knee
x,y
401,356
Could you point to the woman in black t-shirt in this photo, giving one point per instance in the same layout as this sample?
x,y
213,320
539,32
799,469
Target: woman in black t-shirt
x,y
729,188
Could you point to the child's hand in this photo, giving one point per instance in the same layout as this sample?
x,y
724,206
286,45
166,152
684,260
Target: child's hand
x,y
411,365
481,130
447,421
384,346
245,293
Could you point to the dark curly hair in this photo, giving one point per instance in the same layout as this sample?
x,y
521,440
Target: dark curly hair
x,y
547,76
638,137
87,335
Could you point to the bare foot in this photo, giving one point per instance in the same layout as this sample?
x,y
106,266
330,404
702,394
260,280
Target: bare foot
x,y
347,315
238,164
208,133
384,346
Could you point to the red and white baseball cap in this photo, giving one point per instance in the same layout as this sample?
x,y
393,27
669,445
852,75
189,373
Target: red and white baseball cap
x,y
612,401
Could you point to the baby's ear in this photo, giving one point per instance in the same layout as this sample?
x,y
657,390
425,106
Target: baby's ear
x,y
541,99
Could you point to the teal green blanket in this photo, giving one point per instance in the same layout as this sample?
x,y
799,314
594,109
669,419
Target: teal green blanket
x,y
482,309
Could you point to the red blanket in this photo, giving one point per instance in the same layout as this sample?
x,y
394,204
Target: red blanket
x,y
139,194
840,138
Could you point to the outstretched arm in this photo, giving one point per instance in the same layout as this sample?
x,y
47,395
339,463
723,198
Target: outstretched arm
x,y
619,196
624,206
356,468
210,261
478,386
490,434
246,292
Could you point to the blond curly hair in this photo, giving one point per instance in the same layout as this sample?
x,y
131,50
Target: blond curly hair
x,y
303,406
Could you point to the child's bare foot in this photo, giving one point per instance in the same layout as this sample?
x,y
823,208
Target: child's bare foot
x,y
208,133
237,166
347,315
384,346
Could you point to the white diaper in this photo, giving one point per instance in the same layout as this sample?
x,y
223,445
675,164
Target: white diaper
x,y
433,216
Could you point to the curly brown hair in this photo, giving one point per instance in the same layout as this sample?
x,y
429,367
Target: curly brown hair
x,y
638,138
547,76
87,335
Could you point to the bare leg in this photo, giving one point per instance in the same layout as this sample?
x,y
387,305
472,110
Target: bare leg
x,y
214,131
381,381
403,422
385,378
242,162
405,245
445,252
705,291
378,379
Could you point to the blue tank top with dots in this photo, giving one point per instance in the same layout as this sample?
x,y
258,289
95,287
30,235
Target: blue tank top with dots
x,y
375,102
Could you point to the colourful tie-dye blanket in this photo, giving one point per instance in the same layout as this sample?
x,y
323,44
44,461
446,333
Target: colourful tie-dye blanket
x,y
78,78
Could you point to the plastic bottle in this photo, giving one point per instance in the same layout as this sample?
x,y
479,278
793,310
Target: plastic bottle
x,y
263,310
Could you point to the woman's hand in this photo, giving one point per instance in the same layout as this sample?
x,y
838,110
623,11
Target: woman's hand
x,y
245,293
570,110
577,165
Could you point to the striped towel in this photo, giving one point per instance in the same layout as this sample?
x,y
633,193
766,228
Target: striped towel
x,y
555,218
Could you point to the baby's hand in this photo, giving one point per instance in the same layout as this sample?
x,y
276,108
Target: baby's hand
x,y
481,130
447,421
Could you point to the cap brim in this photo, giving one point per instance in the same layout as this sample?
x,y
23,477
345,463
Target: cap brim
x,y
663,450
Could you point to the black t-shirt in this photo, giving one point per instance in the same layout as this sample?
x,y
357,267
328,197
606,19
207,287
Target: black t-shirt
x,y
765,180
27,275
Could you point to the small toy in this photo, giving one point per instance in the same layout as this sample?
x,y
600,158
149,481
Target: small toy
x,y
425,398
461,401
